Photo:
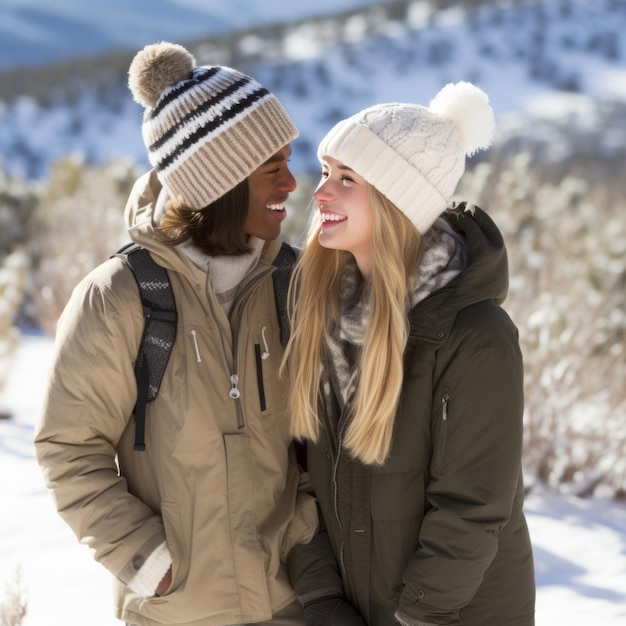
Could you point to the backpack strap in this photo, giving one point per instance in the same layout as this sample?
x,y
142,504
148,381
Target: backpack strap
x,y
159,330
284,262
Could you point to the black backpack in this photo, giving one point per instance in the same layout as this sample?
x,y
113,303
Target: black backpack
x,y
159,331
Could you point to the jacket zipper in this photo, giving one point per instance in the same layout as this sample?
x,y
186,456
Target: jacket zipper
x,y
234,391
235,394
445,399
342,564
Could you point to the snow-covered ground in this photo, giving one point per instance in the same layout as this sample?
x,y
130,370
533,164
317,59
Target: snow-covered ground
x,y
580,545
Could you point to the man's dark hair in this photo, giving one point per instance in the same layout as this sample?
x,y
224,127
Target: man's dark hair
x,y
217,229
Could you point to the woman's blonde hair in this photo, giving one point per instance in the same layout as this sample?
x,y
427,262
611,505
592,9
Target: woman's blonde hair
x,y
314,301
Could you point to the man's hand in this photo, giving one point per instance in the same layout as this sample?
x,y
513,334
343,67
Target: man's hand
x,y
165,583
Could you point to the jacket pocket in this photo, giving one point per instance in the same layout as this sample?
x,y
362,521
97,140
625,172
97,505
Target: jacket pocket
x,y
172,523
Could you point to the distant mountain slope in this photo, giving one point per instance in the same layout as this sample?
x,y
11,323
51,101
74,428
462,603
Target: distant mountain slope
x,y
33,32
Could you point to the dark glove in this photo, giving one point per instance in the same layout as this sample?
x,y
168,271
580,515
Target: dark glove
x,y
332,611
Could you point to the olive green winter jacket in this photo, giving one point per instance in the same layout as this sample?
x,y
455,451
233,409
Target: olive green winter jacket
x,y
437,534
218,480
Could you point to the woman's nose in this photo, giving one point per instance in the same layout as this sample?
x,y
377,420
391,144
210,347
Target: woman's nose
x,y
321,193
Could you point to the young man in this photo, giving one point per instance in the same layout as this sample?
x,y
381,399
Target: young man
x,y
196,527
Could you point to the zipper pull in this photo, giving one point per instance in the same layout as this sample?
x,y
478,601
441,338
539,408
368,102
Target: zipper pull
x,y
234,390
444,403
234,394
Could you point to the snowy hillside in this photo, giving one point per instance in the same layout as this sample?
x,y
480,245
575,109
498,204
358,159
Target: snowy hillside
x,y
554,60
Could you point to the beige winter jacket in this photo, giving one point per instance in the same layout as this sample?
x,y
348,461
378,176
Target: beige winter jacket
x,y
218,480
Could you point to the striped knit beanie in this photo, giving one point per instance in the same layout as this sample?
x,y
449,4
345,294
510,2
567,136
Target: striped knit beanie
x,y
415,155
206,128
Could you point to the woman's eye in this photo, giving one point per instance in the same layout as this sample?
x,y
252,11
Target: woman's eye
x,y
346,179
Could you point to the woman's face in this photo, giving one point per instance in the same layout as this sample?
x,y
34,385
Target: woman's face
x,y
346,213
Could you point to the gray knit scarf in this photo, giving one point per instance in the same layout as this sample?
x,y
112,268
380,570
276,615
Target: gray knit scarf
x,y
443,258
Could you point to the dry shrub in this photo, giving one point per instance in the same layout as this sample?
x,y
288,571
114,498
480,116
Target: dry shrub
x,y
14,605
13,275
566,239
78,225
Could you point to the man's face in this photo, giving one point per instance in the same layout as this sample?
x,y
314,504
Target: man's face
x,y
269,187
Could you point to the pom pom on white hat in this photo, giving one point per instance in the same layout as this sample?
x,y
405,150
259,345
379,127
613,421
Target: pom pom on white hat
x,y
415,155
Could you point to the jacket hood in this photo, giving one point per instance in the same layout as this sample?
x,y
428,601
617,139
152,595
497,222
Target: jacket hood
x,y
138,216
486,276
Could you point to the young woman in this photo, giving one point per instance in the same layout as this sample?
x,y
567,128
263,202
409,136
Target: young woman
x,y
196,528
406,381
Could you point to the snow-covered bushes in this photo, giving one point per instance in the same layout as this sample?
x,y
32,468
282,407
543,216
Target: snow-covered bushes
x,y
566,237
13,273
14,605
77,225
17,202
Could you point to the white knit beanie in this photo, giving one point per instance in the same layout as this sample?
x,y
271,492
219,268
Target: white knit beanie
x,y
206,128
415,155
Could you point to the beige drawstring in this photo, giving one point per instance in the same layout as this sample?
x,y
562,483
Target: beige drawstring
x,y
266,353
195,343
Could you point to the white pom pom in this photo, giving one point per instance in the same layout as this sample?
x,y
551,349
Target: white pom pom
x,y
468,108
